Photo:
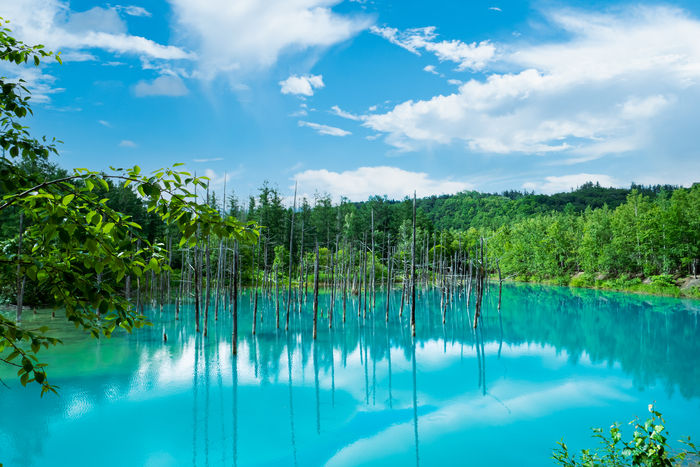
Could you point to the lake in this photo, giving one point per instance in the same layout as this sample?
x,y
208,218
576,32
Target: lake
x,y
553,363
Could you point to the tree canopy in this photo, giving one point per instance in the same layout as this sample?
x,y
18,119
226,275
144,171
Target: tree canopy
x,y
74,242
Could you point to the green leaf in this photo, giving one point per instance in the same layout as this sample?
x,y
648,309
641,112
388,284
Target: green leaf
x,y
67,199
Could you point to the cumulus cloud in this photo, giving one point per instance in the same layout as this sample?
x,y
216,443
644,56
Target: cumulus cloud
x,y
555,184
364,182
161,86
303,85
468,56
325,129
430,69
55,25
595,93
251,35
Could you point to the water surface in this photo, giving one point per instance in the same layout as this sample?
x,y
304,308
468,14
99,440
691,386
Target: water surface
x,y
553,363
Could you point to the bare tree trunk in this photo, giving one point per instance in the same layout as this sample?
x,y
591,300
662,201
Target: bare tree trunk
x,y
345,277
208,287
255,300
330,308
388,278
21,281
316,291
413,271
234,301
219,276
277,295
291,247
374,303
196,288
364,274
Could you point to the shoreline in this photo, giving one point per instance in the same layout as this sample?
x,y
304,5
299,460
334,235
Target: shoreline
x,y
620,285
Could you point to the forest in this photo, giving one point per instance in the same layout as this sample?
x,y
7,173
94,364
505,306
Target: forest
x,y
645,236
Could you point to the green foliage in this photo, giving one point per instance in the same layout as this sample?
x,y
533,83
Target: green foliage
x,y
648,447
664,280
79,245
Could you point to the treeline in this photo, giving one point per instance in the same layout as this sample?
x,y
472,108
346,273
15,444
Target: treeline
x,y
642,231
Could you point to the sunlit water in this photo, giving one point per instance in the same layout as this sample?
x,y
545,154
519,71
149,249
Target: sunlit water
x,y
553,363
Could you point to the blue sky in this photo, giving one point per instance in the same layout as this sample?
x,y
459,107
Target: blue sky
x,y
359,97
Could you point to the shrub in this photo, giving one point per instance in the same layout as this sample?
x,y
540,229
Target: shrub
x,y
649,447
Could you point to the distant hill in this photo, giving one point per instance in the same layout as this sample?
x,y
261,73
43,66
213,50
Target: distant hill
x,y
475,209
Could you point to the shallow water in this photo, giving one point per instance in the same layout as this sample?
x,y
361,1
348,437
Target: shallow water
x,y
553,363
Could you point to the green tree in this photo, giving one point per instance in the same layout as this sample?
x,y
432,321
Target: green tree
x,y
76,236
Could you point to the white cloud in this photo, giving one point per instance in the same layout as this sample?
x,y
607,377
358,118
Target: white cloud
x,y
325,129
208,160
364,182
252,34
134,10
593,94
456,82
79,57
469,56
105,123
40,84
373,108
335,110
218,180
430,69
161,86
304,85
299,113
128,144
636,108
494,8
54,24
554,184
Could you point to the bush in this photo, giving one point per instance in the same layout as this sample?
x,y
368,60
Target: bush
x,y
664,280
649,447
584,280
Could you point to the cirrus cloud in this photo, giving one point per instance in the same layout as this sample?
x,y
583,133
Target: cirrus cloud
x,y
325,129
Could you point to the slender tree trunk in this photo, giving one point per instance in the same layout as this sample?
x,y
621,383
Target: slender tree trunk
x,y
373,270
196,288
234,301
413,271
291,247
316,291
388,278
207,295
21,281
255,275
277,296
330,308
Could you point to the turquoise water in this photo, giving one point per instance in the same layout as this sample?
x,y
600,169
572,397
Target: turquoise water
x,y
553,363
